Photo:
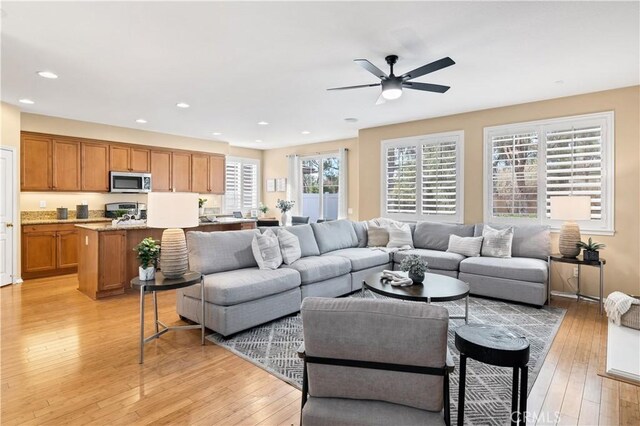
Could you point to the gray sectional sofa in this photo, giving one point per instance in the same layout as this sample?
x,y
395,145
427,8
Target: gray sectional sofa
x,y
335,259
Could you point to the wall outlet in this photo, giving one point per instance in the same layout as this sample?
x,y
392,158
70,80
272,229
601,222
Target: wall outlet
x,y
350,210
575,271
43,204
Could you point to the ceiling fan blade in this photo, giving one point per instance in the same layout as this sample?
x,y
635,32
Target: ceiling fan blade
x,y
426,87
380,100
371,68
355,87
429,68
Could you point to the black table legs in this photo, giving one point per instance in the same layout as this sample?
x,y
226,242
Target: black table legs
x,y
518,399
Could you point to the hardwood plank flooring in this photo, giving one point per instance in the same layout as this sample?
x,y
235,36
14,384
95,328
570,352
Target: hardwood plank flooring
x,y
66,359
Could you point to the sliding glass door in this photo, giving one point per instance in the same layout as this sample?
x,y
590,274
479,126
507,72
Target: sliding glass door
x,y
320,187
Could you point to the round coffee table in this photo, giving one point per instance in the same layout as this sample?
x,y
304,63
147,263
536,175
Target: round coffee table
x,y
434,288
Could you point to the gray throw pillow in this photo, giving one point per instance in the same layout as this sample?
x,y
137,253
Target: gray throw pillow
x,y
377,236
266,250
289,246
466,246
497,242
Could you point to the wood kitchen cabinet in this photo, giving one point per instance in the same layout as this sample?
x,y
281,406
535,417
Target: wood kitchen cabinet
x,y
129,159
161,170
49,250
66,165
180,172
95,167
35,163
102,263
207,174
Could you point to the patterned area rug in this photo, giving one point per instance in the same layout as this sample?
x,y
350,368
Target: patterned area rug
x,y
273,347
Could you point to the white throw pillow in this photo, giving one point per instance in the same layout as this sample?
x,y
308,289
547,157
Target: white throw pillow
x,y
377,236
497,242
466,246
289,246
266,250
399,236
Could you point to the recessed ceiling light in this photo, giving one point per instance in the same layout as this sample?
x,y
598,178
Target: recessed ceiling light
x,y
47,74
306,132
216,133
263,123
351,120
258,140
182,105
26,101
141,120
559,81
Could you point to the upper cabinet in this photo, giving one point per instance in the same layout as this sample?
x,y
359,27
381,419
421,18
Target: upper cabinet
x,y
61,163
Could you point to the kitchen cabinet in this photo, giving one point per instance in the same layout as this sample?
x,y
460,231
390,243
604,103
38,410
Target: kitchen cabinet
x,y
129,159
66,165
161,170
180,172
102,263
35,163
95,167
207,173
49,250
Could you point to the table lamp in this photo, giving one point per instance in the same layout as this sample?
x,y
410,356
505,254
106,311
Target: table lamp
x,y
173,211
570,209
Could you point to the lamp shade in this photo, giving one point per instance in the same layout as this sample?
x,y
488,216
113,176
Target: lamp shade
x,y
172,210
571,207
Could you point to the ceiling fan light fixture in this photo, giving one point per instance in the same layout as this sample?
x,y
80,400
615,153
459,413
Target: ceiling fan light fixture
x,y
391,89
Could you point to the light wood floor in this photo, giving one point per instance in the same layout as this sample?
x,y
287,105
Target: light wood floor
x,y
67,359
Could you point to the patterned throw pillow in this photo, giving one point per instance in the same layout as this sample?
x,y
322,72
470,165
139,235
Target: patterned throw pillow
x,y
497,242
289,246
466,246
266,250
400,236
377,236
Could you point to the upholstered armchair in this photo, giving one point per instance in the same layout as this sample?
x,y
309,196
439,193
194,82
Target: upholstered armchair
x,y
374,362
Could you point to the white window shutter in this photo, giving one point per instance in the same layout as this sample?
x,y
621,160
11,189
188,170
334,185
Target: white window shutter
x,y
439,178
233,194
401,179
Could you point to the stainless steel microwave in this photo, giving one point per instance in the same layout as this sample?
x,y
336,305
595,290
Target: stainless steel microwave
x,y
130,182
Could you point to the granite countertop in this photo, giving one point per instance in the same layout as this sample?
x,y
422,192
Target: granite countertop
x,y
109,227
58,221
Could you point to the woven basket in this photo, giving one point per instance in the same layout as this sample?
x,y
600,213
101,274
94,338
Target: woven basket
x,y
631,318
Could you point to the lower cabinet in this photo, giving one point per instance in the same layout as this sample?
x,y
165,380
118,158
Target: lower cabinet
x,y
49,250
102,263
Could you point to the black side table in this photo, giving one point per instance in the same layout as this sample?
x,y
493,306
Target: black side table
x,y
160,283
579,261
496,346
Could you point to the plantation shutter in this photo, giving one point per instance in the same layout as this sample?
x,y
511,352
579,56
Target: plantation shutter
x,y
514,175
233,193
249,186
574,164
439,188
400,170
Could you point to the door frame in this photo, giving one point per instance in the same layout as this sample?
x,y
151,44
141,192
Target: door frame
x,y
16,278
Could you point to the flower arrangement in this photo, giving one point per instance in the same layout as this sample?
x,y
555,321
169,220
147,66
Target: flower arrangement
x,y
263,209
148,252
415,266
201,202
284,205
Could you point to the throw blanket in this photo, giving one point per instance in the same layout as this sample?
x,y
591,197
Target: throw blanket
x,y
391,249
617,304
397,278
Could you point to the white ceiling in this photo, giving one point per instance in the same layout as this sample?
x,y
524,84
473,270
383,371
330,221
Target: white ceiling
x,y
240,63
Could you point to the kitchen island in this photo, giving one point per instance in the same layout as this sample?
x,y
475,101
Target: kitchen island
x,y
106,257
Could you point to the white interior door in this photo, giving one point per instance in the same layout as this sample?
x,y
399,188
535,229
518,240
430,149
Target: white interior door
x,y
7,189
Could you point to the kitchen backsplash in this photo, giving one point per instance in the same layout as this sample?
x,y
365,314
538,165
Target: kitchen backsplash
x,y
53,214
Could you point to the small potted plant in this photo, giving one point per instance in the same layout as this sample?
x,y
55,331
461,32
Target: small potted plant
x,y
285,207
415,266
201,202
148,252
263,209
590,250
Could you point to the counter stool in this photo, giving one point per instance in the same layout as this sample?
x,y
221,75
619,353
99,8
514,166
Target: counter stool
x,y
496,346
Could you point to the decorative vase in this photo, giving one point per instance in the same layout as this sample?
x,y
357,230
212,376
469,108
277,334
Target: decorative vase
x,y
416,277
146,274
200,211
174,258
569,238
591,255
285,219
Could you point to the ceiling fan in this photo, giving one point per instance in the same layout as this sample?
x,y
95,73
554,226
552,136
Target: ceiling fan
x,y
392,85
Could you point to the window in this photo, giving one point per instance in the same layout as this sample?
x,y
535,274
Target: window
x,y
241,184
422,177
320,187
528,163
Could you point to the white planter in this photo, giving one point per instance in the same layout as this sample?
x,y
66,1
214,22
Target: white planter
x,y
146,274
201,211
285,219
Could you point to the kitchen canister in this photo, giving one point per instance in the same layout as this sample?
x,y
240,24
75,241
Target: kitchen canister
x,y
82,211
63,213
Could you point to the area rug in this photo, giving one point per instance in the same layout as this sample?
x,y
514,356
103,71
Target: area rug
x,y
273,347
